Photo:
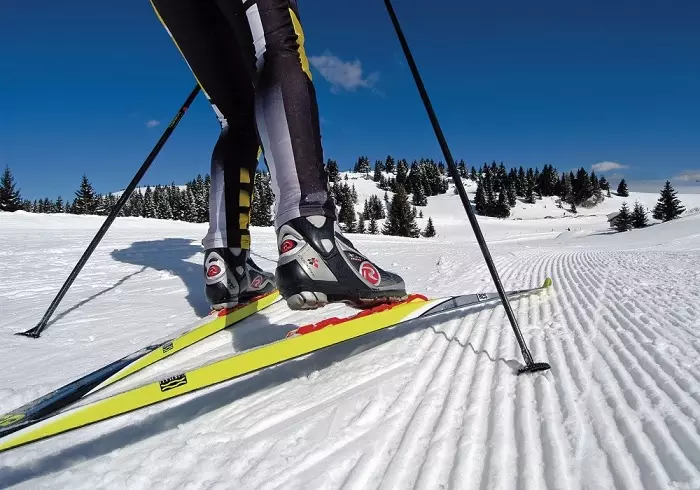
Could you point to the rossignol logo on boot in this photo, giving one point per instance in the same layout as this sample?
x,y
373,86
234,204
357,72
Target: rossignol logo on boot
x,y
213,270
287,245
370,273
257,282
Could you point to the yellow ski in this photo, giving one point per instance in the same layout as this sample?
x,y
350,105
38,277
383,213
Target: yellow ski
x,y
205,376
299,342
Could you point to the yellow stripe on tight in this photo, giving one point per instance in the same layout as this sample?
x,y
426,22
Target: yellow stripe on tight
x,y
243,220
244,199
300,41
244,176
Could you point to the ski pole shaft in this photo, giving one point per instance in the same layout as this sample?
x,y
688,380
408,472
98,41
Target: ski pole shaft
x,y
530,365
36,331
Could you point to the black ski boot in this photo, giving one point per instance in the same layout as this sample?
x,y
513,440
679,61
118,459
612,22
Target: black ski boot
x,y
231,277
318,265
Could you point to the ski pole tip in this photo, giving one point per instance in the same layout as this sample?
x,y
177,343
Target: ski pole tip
x,y
534,367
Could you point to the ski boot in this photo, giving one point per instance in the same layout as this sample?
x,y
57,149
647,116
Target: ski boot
x,y
318,265
231,277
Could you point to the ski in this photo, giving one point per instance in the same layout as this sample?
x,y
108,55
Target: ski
x,y
299,342
68,394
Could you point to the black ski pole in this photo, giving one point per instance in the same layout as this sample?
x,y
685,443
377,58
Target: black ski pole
x,y
530,365
36,331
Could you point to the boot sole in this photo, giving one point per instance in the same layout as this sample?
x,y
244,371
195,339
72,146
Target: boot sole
x,y
307,300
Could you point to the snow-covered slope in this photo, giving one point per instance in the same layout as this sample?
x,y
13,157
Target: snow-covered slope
x,y
438,406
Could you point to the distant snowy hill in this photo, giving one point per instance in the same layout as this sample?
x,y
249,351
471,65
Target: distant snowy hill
x,y
450,217
142,189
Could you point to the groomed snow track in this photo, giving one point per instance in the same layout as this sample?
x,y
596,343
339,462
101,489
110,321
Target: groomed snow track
x,y
439,406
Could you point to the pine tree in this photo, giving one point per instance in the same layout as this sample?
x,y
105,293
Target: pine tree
x,y
332,170
390,164
420,213
639,216
400,221
163,209
583,190
85,198
419,197
10,198
365,210
668,206
136,203
462,169
480,199
429,229
362,166
376,208
200,199
360,224
378,169
501,209
27,205
510,193
530,189
472,174
190,207
347,213
622,189
401,172
110,202
373,227
263,198
623,221
149,206
59,205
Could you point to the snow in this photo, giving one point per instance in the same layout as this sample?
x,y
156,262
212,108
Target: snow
x,y
437,406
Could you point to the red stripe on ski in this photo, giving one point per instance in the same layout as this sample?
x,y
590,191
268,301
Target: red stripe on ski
x,y
312,327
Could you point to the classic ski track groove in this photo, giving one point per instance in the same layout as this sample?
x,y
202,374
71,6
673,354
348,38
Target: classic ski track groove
x,y
442,407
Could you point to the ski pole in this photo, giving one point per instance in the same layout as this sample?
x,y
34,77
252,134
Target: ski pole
x,y
530,365
36,331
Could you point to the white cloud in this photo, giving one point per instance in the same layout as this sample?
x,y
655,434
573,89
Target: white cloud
x,y
341,74
152,123
607,166
688,176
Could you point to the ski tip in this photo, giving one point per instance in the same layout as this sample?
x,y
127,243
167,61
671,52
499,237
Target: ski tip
x,y
28,333
547,282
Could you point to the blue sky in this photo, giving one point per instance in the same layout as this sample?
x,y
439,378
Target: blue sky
x,y
88,87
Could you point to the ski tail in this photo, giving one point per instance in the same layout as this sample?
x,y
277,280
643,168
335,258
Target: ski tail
x,y
415,308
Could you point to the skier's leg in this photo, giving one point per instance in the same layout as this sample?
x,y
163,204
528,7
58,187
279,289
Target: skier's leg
x,y
317,264
209,46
